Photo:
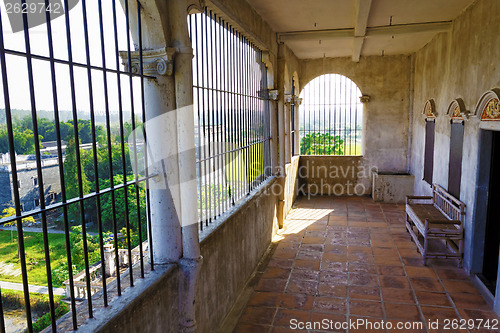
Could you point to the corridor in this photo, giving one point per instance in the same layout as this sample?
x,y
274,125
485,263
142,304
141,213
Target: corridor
x,y
345,259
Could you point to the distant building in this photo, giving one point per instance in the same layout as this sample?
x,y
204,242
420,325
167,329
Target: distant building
x,y
28,182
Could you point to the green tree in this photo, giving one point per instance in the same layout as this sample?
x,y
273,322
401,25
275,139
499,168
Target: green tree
x,y
71,178
119,202
11,211
321,144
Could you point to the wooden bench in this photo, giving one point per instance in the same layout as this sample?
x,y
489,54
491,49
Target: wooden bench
x,y
440,216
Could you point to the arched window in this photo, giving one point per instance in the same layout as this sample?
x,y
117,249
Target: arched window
x,y
331,117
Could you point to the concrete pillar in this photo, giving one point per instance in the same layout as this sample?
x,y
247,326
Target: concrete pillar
x,y
190,263
281,135
161,129
273,111
297,102
109,268
288,128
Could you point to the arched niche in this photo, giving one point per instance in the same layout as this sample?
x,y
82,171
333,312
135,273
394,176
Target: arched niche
x,y
457,111
488,110
429,110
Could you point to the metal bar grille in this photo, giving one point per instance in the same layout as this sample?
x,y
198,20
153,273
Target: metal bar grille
x,y
68,84
331,117
231,115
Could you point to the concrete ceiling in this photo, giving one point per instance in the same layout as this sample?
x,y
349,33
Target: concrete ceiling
x,y
341,28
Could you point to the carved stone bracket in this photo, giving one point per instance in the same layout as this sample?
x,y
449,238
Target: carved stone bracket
x,y
155,62
365,99
297,100
273,95
196,6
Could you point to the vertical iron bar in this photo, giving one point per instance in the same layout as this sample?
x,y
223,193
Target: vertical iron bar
x,y
61,165
138,202
120,112
77,153
12,153
41,194
146,170
125,181
94,147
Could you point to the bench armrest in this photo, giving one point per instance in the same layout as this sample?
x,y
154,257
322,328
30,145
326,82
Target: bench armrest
x,y
410,198
442,221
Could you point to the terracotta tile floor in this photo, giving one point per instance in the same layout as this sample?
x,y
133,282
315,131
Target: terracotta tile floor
x,y
351,258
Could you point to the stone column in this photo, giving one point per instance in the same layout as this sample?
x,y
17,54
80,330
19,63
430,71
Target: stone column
x,y
190,263
273,111
161,134
109,268
288,123
297,101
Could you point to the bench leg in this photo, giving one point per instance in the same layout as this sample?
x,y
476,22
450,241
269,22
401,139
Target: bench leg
x,y
425,250
461,253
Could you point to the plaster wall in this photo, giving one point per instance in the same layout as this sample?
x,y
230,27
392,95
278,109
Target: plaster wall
x,y
333,175
460,64
387,81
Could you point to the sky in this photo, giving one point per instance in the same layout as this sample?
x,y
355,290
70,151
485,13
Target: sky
x,y
17,66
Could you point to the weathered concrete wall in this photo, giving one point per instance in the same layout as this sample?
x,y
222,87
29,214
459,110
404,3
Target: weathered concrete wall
x,y
460,64
386,117
333,175
231,253
392,188
151,309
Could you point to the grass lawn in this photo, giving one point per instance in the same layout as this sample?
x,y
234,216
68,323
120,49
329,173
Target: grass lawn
x,y
352,149
35,257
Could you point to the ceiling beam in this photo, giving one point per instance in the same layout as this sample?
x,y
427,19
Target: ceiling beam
x,y
388,30
362,10
403,29
357,45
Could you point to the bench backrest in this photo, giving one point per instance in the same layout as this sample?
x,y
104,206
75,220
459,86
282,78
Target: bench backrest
x,y
448,204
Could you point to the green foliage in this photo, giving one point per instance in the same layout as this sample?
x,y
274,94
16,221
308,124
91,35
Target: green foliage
x,y
23,140
77,251
45,320
87,160
119,203
71,179
321,144
212,195
122,239
23,133
11,211
39,303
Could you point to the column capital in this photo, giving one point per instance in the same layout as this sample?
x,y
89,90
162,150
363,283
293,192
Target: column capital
x,y
297,100
365,98
155,62
273,95
288,98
